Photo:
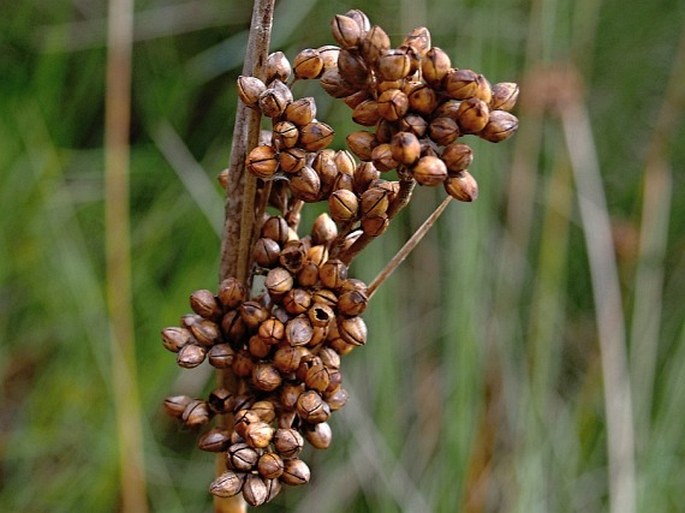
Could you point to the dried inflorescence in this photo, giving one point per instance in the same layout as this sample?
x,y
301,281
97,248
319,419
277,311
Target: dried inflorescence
x,y
284,341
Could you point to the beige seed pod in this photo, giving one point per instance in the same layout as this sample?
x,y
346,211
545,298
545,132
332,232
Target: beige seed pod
x,y
231,292
270,465
405,148
220,356
196,413
241,457
394,65
175,405
298,331
297,301
443,131
337,398
448,109
382,158
295,472
276,228
457,157
204,303
190,356
414,124
308,276
228,484
353,330
249,90
346,31
232,326
214,440
361,19
352,302
253,314
305,185
374,202
265,252
278,282
375,226
277,67
205,332
461,84
335,85
301,112
501,125
255,490
462,187
435,66
318,254
285,135
275,99
265,377
243,418
429,171
287,359
262,161
292,160
422,98
361,143
504,96
288,443
419,40
221,400
266,410
174,338
324,229
242,364
354,99
332,273
374,43
312,408
329,54
315,136
484,89
352,67
272,330
364,174
393,104
473,115
293,256
319,435
259,435
308,64
366,113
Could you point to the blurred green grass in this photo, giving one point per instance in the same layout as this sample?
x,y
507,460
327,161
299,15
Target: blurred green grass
x,y
480,389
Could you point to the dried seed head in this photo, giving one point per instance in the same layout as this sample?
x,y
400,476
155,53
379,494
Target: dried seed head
x,y
262,161
457,157
319,435
241,457
295,472
343,205
220,356
382,158
315,136
352,302
285,135
231,292
374,44
448,109
174,338
190,356
307,362
175,405
352,67
228,484
462,186
259,434
361,143
394,65
305,185
277,67
461,84
375,226
278,282
308,64
392,105
434,66
293,256
324,229
253,314
312,408
443,131
429,171
258,347
329,54
233,326
265,377
353,330
317,378
196,413
270,465
484,89
292,160
309,274
298,331
325,297
214,440
221,400
255,490
301,112
249,90
374,202
275,99
346,31
205,332
473,115
333,273
287,359
504,96
288,442
354,99
344,162
501,125
335,85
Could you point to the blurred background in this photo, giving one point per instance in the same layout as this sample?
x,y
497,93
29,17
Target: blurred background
x,y
508,354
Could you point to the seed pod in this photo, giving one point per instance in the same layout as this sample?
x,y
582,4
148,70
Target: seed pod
x,y
354,99
325,297
270,465
276,228
405,148
374,44
338,398
265,377
287,359
448,109
308,275
265,252
255,490
335,85
297,301
275,99
333,273
228,484
429,171
295,472
308,64
415,124
366,113
504,96
298,331
188,320
353,330
418,40
205,304
259,435
312,408
205,332
382,158
265,410
462,186
288,442
457,157
175,405
342,181
231,293
352,302
365,173
289,395
305,185
293,257
249,90
241,457
324,229
307,362
473,115
336,378
319,435
317,378
483,89
340,346
329,54
196,413
214,440
443,131
315,136
461,84
422,98
243,418
242,364
221,400
434,66
346,31
501,126
301,112
253,314
262,161
374,202
278,282
174,338
271,331
361,143
285,135
190,356
392,104
258,347
291,160
320,315
220,356
277,67
375,226
243,402
352,67
233,326
343,205
361,19
394,65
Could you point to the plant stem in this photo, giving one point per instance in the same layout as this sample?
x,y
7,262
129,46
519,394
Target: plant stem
x,y
408,247
240,197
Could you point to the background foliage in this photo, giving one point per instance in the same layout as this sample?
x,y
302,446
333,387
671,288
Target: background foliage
x,y
480,389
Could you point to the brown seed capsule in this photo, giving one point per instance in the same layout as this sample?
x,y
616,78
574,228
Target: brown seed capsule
x,y
394,65
320,315
255,490
343,205
196,413
265,252
175,405
429,171
291,160
289,395
361,19
361,143
276,228
312,408
277,67
352,302
448,109
297,301
214,440
305,185
405,148
287,359
382,158
443,131
419,40
270,465
333,273
262,161
253,314
278,282
352,67
243,402
353,330
315,136
174,338
190,356
205,332
295,472
293,256
271,331
241,457
484,89
317,255
354,99
319,435
393,104
329,54
457,157
501,126
308,275
249,90
374,202
346,31
422,98
473,115
275,99
325,297
365,173
298,331
317,378
307,362
188,320
233,326
242,364
414,124
434,66
220,356
265,377
462,186
243,418
324,229
301,112
228,484
366,113
259,435
375,226
342,181
335,85
273,487
504,96
265,410
308,64
231,292
336,378
374,43
461,84
285,135
205,304
288,442
337,398
221,400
